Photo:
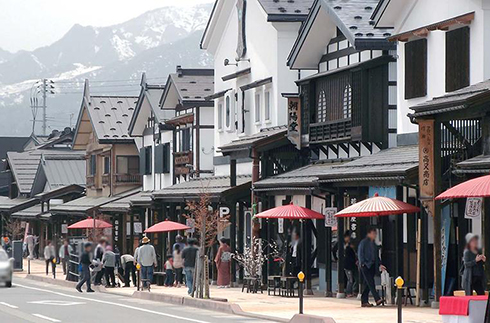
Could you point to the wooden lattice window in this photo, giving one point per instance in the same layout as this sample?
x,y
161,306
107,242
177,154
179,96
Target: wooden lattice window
x,y
322,107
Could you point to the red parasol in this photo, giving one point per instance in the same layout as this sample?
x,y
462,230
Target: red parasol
x,y
290,212
89,223
476,187
166,226
377,206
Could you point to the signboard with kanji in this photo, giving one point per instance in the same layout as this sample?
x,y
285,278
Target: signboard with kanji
x,y
473,208
330,219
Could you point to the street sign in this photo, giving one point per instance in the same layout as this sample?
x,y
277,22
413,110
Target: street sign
x,y
473,208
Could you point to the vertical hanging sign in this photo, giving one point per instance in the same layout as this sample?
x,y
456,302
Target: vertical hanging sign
x,y
241,49
294,121
426,164
330,220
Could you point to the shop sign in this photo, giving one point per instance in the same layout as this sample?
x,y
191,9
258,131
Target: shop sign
x,y
330,219
426,158
190,223
280,225
64,228
473,208
294,121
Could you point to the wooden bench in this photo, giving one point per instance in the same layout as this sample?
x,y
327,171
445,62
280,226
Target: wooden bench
x,y
252,285
287,286
159,278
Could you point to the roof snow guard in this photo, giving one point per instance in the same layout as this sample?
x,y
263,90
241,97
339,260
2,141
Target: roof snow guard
x,y
286,10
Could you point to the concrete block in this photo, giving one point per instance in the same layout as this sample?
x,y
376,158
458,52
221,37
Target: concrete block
x,y
304,318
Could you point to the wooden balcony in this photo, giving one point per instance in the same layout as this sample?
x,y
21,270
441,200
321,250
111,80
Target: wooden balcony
x,y
90,181
330,131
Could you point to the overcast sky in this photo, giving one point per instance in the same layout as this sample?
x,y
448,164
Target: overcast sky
x,y
29,24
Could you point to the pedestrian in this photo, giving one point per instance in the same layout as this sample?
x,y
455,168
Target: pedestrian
x,y
85,262
189,255
147,258
64,255
36,247
169,271
179,241
98,255
50,257
295,250
350,264
178,266
30,241
129,267
109,265
368,261
473,271
223,263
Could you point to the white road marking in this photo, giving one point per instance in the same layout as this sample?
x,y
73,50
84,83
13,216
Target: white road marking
x,y
8,305
114,304
46,318
56,303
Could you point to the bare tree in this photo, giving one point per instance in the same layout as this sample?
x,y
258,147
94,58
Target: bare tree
x,y
15,229
208,224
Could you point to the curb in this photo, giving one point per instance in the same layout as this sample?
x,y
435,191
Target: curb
x,y
218,306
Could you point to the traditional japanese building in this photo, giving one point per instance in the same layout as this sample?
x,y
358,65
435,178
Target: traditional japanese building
x,y
443,70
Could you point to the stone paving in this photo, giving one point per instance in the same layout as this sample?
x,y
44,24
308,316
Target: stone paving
x,y
342,310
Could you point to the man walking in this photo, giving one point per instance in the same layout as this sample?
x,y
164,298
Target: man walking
x,y
109,264
189,256
85,263
64,254
368,261
147,258
50,256
128,265
30,241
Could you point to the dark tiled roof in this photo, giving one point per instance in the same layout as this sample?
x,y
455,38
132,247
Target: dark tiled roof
x,y
63,172
34,212
193,87
387,163
248,141
111,115
456,100
121,205
24,165
14,205
214,186
479,162
286,7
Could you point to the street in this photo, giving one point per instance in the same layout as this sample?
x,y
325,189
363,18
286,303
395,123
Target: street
x,y
29,301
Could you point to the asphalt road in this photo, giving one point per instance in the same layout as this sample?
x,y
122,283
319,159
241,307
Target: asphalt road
x,y
29,301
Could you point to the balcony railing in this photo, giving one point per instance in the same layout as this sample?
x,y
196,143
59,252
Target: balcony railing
x,y
129,179
330,131
90,180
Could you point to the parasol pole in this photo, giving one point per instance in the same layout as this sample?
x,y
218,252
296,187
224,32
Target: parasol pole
x,y
419,244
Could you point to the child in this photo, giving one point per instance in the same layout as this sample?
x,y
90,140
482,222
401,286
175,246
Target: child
x,y
169,271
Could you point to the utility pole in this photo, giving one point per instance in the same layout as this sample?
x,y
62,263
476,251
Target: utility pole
x,y
44,90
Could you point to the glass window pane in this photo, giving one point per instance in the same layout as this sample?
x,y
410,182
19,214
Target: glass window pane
x,y
257,107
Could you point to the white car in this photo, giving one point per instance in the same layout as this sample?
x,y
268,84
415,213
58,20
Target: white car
x,y
6,268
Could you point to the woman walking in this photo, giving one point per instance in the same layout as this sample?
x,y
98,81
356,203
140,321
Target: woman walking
x,y
223,262
178,265
473,261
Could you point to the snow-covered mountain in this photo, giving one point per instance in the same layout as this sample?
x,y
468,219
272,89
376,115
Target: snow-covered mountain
x,y
154,42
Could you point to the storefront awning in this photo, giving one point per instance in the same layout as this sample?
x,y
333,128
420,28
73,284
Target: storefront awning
x,y
216,187
476,165
264,136
84,205
120,206
32,213
60,192
10,206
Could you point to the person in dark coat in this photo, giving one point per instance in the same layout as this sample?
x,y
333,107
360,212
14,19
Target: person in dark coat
x,y
350,264
368,261
85,262
473,272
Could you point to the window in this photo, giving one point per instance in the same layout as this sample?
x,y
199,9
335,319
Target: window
x,y
93,165
322,107
416,69
127,164
257,107
457,59
107,165
162,158
220,115
145,161
228,111
185,139
267,105
347,102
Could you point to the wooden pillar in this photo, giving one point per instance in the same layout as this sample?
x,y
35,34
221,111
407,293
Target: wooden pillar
x,y
307,242
399,254
437,213
163,243
131,233
340,244
328,253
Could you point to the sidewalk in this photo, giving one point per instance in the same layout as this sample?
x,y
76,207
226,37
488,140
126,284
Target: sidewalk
x,y
341,310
